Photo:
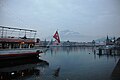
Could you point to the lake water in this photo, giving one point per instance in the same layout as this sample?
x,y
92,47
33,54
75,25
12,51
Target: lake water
x,y
72,63
77,63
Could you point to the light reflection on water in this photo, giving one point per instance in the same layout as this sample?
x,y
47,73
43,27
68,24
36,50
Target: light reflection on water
x,y
73,63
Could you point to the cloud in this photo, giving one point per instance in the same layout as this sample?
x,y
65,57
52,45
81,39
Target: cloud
x,y
88,17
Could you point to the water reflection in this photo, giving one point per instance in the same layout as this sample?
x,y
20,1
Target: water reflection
x,y
54,50
79,63
108,53
56,72
20,69
65,63
93,50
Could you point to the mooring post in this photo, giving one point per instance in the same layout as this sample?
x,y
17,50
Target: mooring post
x,y
100,51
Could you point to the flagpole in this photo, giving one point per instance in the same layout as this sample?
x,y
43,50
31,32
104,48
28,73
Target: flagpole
x,y
47,47
57,38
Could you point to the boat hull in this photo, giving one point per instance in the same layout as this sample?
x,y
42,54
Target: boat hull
x,y
19,55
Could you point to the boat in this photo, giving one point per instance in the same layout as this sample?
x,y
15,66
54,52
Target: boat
x,y
13,46
15,54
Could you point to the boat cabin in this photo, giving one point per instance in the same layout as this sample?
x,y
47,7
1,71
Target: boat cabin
x,y
12,38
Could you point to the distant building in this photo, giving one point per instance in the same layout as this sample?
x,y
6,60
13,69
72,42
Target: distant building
x,y
118,41
110,41
93,42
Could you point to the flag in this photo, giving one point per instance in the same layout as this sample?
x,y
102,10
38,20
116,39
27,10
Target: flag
x,y
56,36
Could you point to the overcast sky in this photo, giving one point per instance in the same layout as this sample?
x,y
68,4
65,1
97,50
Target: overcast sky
x,y
96,18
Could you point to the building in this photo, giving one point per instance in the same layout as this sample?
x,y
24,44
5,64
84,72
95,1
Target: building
x,y
110,41
118,42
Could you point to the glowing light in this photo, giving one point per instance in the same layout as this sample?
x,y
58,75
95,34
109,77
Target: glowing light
x,y
12,73
22,42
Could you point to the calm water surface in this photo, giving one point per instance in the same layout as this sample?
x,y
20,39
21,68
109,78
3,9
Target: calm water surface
x,y
77,63
72,63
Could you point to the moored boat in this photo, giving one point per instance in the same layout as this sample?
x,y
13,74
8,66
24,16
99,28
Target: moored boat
x,y
10,54
16,43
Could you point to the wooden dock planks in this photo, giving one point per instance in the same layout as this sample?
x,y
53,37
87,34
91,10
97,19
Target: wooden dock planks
x,y
116,71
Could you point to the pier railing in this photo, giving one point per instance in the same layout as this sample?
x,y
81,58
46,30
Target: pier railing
x,y
16,38
9,32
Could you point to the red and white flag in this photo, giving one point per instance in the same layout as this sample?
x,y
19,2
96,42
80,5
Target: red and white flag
x,y
56,36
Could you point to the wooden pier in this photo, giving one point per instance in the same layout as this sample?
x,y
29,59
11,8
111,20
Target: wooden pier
x,y
116,71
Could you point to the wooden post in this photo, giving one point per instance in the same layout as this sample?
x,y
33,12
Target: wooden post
x,y
100,51
20,46
10,46
29,46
